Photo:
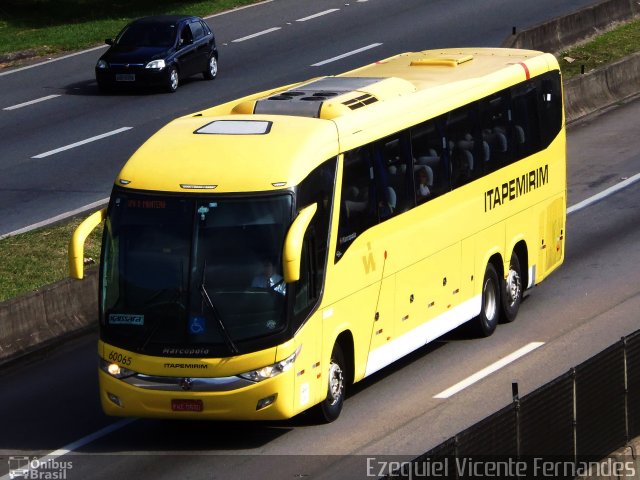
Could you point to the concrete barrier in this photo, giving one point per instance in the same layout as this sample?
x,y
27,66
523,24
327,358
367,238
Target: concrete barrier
x,y
48,316
601,88
560,32
69,307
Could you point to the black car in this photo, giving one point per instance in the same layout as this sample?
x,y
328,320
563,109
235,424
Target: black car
x,y
158,51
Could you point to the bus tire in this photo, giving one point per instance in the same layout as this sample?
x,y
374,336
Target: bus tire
x,y
512,290
485,323
329,409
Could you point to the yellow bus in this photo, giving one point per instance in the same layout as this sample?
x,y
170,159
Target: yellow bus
x,y
261,256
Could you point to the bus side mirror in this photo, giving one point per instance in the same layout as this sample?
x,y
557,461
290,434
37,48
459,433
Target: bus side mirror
x,y
76,244
293,243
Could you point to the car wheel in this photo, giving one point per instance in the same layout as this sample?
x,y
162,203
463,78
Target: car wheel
x,y
212,68
173,79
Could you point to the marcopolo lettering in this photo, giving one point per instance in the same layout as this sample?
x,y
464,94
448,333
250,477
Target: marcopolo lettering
x,y
191,352
516,187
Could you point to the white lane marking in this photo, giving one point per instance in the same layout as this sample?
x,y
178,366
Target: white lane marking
x,y
489,370
319,14
254,35
74,446
236,9
51,60
31,102
57,218
82,142
353,52
603,194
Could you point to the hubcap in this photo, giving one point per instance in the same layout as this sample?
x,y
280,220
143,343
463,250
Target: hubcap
x,y
213,66
336,384
514,287
173,80
490,304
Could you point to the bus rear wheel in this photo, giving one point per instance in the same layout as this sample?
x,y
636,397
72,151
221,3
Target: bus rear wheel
x,y
512,290
329,409
485,323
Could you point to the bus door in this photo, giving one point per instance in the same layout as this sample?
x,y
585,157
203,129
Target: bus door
x,y
552,235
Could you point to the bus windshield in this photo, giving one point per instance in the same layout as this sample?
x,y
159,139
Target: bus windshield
x,y
190,277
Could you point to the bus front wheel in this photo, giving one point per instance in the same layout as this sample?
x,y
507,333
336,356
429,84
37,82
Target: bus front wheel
x,y
485,323
329,409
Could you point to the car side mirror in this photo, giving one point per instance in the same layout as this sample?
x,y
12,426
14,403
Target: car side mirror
x,y
109,41
292,253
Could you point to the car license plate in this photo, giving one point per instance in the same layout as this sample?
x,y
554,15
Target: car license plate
x,y
186,405
125,77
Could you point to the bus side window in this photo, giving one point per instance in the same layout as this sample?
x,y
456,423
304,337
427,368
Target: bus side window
x,y
467,150
358,209
316,188
550,108
393,177
526,127
428,154
496,128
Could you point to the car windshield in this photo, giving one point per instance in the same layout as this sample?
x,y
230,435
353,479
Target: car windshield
x,y
147,34
193,275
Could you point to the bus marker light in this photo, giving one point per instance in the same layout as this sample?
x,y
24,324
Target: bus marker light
x,y
189,186
265,402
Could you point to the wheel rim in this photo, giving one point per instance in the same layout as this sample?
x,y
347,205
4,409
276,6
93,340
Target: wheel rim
x,y
213,66
173,79
336,383
490,303
514,287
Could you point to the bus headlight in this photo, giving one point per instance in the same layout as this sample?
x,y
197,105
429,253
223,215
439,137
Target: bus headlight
x,y
115,370
155,64
273,370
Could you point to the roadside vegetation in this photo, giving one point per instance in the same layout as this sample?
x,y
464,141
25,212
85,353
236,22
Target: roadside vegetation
x,y
33,259
37,28
45,27
606,48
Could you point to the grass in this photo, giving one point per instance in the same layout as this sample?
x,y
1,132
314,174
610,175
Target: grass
x,y
32,28
38,258
44,27
601,50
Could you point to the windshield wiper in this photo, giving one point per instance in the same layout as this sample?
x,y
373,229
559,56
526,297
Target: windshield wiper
x,y
216,315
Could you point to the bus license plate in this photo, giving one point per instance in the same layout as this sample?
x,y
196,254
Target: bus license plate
x,y
186,405
125,77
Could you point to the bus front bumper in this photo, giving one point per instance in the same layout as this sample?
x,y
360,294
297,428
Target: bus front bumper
x,y
271,399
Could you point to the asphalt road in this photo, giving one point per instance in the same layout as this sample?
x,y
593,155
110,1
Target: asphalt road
x,y
51,403
264,46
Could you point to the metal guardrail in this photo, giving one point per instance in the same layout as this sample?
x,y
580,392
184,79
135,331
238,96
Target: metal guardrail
x,y
559,429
